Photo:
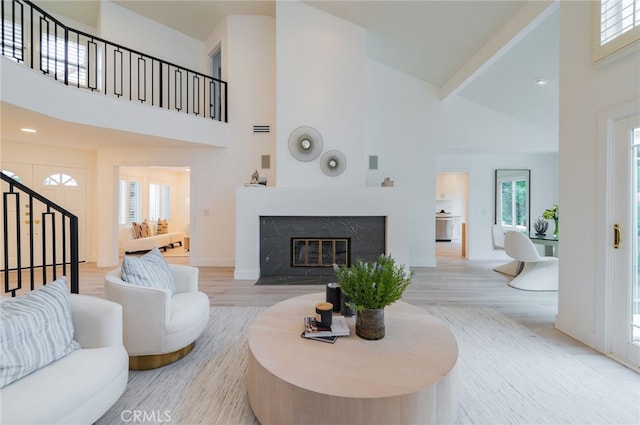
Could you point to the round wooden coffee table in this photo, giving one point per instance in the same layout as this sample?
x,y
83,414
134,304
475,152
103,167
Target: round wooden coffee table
x,y
407,377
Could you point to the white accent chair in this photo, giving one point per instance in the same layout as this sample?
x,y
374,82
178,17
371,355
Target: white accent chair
x,y
512,268
539,273
159,328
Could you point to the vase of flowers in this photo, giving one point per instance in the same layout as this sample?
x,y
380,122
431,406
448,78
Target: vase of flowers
x,y
553,213
371,286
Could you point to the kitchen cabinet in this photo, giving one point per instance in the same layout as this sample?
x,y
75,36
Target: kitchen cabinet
x,y
445,187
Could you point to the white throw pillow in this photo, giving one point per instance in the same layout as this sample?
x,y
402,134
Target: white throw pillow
x,y
35,330
150,270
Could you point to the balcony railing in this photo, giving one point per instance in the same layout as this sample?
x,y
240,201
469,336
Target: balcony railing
x,y
38,40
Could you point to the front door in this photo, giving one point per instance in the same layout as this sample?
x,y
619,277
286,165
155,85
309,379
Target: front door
x,y
67,187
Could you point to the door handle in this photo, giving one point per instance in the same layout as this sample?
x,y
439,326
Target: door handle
x,y
617,236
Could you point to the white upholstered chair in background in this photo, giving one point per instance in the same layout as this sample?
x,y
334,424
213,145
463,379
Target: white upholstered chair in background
x,y
539,273
159,328
512,268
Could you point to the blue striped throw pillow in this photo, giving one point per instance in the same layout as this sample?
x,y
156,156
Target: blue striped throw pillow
x,y
150,270
35,330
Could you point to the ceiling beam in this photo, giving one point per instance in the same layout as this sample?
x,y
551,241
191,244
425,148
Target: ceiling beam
x,y
529,17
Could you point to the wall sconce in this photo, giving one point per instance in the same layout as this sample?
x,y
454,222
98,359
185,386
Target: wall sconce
x,y
333,163
305,143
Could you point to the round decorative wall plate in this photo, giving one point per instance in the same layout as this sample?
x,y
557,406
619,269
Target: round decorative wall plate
x,y
333,163
305,143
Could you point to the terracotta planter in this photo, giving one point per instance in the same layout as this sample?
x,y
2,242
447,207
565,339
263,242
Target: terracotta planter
x,y
370,323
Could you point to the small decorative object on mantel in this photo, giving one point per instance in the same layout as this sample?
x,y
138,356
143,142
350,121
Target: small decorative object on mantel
x,y
540,226
553,213
387,182
257,180
371,287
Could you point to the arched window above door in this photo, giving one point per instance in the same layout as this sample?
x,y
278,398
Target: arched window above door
x,y
60,179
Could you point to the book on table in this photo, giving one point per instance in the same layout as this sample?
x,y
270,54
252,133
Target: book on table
x,y
338,327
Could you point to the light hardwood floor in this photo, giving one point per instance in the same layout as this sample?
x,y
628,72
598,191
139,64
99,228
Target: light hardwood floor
x,y
455,281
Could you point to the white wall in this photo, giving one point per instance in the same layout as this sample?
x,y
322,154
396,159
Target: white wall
x,y
397,130
320,63
585,92
124,27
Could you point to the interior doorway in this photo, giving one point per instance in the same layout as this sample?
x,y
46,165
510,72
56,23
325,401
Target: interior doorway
x,y
159,195
451,215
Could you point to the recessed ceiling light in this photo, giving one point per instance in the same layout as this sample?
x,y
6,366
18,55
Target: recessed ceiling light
x,y
541,82
28,130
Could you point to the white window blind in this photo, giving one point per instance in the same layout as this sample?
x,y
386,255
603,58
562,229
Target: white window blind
x,y
12,41
616,27
129,208
165,207
154,202
159,201
617,17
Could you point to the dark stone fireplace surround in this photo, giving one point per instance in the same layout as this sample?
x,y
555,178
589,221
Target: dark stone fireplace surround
x,y
366,236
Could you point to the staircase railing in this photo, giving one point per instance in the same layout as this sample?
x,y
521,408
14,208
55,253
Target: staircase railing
x,y
57,253
36,39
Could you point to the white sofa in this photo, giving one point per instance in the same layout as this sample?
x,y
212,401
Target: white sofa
x,y
80,387
128,243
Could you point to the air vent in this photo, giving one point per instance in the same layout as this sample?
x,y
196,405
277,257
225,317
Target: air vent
x,y
262,129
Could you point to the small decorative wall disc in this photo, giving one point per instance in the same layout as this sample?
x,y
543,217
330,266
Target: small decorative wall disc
x,y
333,163
305,143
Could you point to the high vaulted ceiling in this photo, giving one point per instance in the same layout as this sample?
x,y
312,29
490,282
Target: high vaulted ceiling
x,y
489,51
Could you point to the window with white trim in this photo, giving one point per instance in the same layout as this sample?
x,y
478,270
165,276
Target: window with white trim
x,y
53,59
129,202
513,202
60,179
616,27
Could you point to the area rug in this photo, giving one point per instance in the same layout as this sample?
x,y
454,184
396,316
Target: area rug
x,y
508,375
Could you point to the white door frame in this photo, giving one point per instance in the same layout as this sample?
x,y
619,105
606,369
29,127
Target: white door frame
x,y
607,121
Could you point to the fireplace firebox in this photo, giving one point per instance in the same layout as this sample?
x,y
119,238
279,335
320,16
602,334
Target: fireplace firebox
x,y
319,252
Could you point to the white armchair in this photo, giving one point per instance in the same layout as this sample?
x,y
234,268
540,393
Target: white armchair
x,y
159,328
539,273
512,268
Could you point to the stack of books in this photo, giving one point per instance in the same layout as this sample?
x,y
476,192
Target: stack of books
x,y
338,328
